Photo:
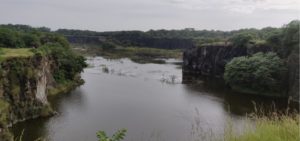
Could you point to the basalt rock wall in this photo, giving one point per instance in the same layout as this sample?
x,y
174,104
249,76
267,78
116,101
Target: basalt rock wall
x,y
25,84
23,90
209,61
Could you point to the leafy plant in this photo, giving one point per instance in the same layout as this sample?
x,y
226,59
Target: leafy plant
x,y
260,73
118,136
69,63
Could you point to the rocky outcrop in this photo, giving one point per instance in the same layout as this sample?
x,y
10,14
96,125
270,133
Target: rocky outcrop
x,y
210,61
43,76
24,87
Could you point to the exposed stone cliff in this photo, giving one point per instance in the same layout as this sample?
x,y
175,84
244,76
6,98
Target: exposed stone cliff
x,y
210,61
24,87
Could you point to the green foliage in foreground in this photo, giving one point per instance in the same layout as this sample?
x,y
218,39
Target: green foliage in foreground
x,y
275,128
118,136
284,128
258,74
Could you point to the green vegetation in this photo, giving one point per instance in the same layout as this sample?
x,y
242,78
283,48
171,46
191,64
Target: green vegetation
x,y
24,53
25,41
18,39
118,136
6,53
286,41
137,54
22,36
274,127
241,39
284,128
3,113
259,74
168,39
26,36
68,63
64,87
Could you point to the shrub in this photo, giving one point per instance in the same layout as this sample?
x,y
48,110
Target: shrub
x,y
8,38
31,40
118,136
258,74
241,39
48,38
68,63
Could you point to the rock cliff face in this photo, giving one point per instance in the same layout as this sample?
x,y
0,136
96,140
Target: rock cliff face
x,y
43,76
210,61
24,86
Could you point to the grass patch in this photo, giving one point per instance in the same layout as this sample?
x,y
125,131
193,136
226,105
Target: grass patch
x,y
6,53
285,128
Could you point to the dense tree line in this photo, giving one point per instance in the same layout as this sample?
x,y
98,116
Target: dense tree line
x,y
169,39
23,36
164,38
188,33
267,73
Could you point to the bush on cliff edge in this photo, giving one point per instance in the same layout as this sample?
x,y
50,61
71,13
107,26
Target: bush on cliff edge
x,y
257,74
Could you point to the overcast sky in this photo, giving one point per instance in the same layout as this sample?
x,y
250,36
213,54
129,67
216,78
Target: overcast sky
x,y
111,15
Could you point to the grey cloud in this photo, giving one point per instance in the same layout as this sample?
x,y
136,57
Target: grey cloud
x,y
104,15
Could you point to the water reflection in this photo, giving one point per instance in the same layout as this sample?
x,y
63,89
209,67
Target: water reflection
x,y
234,102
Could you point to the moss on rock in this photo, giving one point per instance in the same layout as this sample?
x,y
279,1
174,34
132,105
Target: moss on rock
x,y
25,84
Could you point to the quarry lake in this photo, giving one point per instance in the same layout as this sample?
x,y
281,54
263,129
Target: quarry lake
x,y
148,100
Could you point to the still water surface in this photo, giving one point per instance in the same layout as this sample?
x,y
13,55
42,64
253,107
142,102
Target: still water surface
x,y
146,99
